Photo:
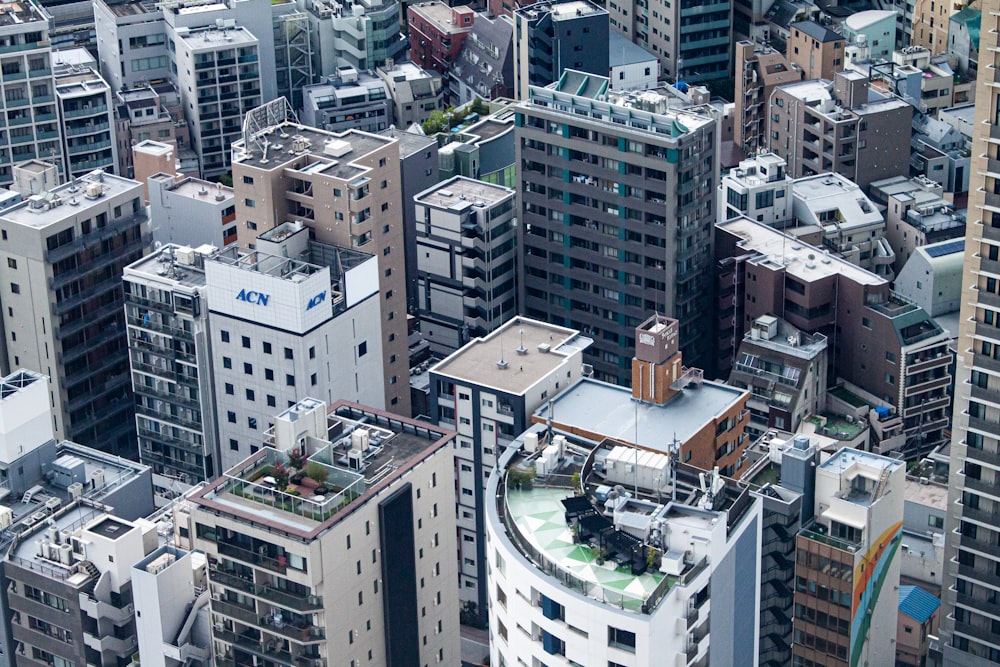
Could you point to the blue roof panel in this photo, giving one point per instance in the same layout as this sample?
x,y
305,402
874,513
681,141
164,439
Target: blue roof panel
x,y
917,603
939,249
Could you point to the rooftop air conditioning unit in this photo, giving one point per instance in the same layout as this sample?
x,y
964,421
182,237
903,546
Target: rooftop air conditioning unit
x,y
94,190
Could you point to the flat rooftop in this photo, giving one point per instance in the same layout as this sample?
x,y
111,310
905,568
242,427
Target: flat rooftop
x,y
489,127
200,40
800,260
827,192
477,360
262,262
23,11
36,215
110,528
396,445
281,151
460,192
123,9
610,410
158,267
930,494
846,458
195,188
439,13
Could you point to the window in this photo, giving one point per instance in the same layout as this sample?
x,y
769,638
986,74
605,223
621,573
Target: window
x,y
233,444
248,180
250,394
269,374
271,402
250,203
312,379
230,389
248,368
267,348
246,342
224,335
363,348
621,639
227,362
252,422
231,417
11,263
288,353
290,380
15,288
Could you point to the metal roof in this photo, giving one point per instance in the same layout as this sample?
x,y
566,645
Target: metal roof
x,y
917,603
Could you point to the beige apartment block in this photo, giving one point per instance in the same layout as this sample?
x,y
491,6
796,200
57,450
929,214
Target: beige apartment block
x,y
346,188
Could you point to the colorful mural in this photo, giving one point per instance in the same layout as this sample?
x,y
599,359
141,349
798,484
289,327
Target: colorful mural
x,y
869,575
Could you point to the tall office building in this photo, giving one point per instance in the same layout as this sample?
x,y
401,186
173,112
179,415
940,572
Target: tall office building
x,y
970,617
616,217
350,561
346,188
221,339
28,88
64,252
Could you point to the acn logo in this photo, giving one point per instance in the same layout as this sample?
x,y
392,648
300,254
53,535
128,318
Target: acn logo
x,y
251,296
316,300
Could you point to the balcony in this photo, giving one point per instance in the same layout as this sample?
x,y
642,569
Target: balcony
x,y
990,489
279,564
232,610
270,594
92,110
300,633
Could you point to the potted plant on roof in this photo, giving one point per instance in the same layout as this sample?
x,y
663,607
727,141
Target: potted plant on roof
x,y
281,474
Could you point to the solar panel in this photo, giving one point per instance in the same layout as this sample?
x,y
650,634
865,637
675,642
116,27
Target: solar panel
x,y
946,248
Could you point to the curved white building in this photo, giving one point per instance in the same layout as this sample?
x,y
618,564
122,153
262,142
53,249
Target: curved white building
x,y
554,601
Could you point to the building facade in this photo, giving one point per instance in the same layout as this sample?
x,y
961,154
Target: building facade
x,y
346,189
615,218
390,525
758,70
63,299
968,611
466,261
816,50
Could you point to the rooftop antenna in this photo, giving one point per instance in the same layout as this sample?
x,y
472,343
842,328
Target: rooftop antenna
x,y
522,349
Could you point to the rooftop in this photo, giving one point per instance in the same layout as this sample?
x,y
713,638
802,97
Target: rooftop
x,y
917,603
440,14
67,200
800,260
931,494
824,195
861,20
162,266
195,188
123,9
22,11
560,11
573,523
817,31
212,38
845,459
610,411
546,348
622,51
460,192
334,153
392,445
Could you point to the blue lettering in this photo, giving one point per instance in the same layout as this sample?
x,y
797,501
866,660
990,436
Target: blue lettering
x,y
316,300
251,296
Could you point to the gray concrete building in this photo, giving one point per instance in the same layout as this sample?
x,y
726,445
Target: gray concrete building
x,y
86,116
819,127
189,211
616,218
62,301
552,37
363,35
415,92
28,89
466,261
348,100
489,404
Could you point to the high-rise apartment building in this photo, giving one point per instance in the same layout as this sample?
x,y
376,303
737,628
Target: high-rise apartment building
x,y
819,127
335,543
346,189
189,211
487,391
970,612
466,261
363,34
86,116
28,88
611,554
62,297
617,209
816,50
552,37
759,69
693,40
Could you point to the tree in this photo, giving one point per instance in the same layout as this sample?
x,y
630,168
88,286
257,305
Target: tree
x,y
281,475
317,471
435,123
